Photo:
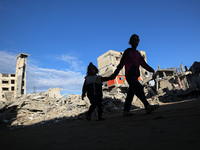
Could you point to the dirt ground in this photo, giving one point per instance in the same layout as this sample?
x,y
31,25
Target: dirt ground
x,y
172,126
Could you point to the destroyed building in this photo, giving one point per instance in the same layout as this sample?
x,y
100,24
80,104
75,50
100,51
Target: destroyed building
x,y
14,85
162,82
107,63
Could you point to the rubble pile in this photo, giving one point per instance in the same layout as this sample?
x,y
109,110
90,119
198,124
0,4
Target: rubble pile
x,y
39,108
50,107
172,85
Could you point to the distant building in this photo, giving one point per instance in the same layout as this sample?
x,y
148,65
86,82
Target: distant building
x,y
14,85
7,86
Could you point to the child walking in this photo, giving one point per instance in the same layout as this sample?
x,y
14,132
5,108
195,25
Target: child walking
x,y
93,86
132,59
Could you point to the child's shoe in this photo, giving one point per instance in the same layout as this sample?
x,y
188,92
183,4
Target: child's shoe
x,y
128,113
151,108
101,118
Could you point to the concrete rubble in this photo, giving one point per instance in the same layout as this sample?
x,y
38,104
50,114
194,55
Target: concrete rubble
x,y
40,108
175,83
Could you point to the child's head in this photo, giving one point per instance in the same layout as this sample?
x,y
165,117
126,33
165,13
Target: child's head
x,y
134,40
92,69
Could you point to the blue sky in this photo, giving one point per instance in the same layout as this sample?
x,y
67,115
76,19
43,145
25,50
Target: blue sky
x,y
63,36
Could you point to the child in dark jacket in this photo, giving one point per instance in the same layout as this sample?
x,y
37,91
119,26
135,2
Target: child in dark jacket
x,y
93,86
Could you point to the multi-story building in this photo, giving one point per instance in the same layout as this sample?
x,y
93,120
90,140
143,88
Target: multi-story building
x,y
14,85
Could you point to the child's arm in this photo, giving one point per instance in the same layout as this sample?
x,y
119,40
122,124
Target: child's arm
x,y
120,65
145,65
83,91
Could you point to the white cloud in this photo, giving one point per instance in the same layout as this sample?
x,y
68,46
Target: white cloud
x,y
45,78
74,63
7,62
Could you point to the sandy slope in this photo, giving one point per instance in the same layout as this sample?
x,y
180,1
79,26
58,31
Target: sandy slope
x,y
172,126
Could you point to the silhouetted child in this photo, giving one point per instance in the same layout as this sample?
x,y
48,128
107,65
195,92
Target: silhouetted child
x,y
93,86
132,59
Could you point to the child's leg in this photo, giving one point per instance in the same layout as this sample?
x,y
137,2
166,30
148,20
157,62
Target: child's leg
x,y
100,110
134,88
93,105
139,91
129,99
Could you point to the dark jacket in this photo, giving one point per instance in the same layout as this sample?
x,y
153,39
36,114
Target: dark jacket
x,y
132,59
93,85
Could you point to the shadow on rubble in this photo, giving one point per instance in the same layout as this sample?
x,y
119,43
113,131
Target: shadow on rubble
x,y
110,106
7,115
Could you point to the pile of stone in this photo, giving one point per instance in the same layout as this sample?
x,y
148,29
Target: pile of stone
x,y
36,109
40,108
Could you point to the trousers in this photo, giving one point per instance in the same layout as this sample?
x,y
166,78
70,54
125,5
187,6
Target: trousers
x,y
135,88
95,100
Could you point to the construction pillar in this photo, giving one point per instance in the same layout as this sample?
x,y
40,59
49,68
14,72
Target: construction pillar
x,y
20,75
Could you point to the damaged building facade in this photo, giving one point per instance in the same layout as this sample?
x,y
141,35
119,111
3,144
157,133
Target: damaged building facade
x,y
107,63
14,85
7,86
162,82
